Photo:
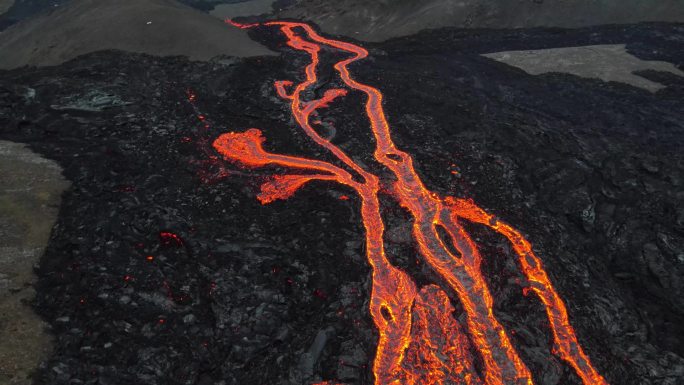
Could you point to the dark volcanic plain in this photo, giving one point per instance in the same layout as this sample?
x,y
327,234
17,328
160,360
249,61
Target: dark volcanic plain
x,y
163,267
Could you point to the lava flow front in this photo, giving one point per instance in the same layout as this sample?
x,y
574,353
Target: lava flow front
x,y
419,340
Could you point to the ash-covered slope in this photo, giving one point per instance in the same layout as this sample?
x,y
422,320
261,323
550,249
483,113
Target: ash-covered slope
x,y
377,20
157,27
19,10
5,5
164,268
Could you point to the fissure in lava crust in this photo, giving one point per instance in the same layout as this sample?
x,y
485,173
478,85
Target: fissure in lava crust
x,y
419,340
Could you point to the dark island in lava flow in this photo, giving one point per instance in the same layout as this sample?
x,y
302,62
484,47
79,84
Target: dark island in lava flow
x,y
455,206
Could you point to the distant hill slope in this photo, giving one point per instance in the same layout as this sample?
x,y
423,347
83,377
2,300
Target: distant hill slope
x,y
5,5
157,27
377,20
23,9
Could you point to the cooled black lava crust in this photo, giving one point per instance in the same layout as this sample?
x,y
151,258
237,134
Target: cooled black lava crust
x,y
591,172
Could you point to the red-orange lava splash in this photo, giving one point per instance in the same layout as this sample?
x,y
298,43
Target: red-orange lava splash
x,y
419,340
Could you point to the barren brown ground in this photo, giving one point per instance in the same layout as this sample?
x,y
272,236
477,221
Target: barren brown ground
x,y
30,193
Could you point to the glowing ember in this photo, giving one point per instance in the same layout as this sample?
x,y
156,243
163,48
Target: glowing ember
x,y
419,340
170,239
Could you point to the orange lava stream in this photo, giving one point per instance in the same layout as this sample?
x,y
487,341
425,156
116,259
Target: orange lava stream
x,y
502,363
438,345
564,336
419,340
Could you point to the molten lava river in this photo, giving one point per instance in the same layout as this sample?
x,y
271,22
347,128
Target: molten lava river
x,y
419,340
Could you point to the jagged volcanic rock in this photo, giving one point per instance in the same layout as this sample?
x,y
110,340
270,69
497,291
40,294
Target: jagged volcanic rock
x,y
163,267
378,20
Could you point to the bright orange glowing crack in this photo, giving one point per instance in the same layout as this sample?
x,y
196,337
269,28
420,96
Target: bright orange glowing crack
x,y
419,340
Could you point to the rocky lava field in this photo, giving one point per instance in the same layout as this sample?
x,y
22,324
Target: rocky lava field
x,y
164,268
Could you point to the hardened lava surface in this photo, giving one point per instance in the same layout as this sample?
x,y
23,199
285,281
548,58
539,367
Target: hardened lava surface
x,y
164,267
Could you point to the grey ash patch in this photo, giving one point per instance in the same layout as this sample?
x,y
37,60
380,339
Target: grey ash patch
x,y
606,62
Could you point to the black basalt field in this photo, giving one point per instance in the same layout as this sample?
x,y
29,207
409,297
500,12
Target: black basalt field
x,y
163,267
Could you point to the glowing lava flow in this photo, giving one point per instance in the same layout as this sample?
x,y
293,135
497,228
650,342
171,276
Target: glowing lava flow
x,y
419,340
